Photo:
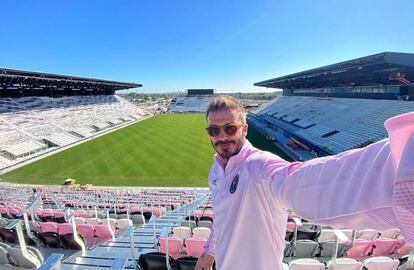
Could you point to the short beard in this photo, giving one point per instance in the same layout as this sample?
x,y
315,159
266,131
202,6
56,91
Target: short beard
x,y
227,155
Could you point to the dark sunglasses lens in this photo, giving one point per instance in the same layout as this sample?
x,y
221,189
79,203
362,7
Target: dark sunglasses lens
x,y
230,129
213,131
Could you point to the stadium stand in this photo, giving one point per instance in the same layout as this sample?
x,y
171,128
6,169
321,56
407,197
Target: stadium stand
x,y
324,111
196,101
189,105
48,216
76,223
41,113
333,125
27,131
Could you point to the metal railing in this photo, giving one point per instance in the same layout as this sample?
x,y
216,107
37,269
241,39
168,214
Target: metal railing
x,y
52,261
16,223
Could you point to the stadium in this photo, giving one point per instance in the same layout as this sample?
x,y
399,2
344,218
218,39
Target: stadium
x,y
93,180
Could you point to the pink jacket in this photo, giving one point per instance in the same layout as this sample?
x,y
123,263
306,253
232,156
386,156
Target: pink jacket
x,y
353,189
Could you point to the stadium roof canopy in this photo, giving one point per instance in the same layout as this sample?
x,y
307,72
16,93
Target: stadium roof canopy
x,y
19,79
387,68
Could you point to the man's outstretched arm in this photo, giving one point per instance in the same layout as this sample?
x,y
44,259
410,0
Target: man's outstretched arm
x,y
355,188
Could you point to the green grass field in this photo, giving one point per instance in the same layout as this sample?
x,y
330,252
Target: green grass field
x,y
165,150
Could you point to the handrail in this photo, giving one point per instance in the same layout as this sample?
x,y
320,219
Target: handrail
x,y
298,223
129,233
119,264
16,223
71,218
411,259
52,261
109,225
23,213
164,234
340,236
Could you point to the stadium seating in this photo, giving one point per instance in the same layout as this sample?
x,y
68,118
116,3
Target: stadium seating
x,y
201,232
314,244
174,246
190,105
331,124
195,246
182,232
154,261
306,264
381,263
345,264
34,126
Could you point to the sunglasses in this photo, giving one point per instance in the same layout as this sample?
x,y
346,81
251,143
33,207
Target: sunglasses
x,y
229,129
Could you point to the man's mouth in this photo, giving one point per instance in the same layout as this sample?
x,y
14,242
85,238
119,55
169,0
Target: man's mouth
x,y
225,144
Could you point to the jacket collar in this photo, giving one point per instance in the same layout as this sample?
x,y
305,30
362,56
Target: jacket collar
x,y
236,159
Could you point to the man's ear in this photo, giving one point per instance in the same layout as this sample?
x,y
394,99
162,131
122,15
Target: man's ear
x,y
245,128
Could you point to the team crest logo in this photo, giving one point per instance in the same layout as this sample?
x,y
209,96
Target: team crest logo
x,y
234,183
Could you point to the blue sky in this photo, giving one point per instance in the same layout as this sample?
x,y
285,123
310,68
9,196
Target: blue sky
x,y
170,45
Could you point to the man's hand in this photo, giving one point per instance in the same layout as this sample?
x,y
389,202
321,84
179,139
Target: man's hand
x,y
205,262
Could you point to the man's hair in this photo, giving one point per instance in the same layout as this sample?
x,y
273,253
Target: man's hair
x,y
222,103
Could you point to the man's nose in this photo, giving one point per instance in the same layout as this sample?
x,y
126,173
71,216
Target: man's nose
x,y
222,135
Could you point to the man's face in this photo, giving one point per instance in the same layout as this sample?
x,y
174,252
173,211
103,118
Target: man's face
x,y
225,145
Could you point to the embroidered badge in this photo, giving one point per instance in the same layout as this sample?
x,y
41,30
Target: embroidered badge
x,y
234,184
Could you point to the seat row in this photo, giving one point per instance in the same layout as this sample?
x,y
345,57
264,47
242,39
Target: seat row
x,y
360,249
308,232
204,222
13,256
193,246
158,261
374,263
91,233
184,233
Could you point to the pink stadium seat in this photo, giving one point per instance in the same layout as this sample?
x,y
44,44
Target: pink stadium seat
x,y
102,231
48,227
403,248
293,215
384,246
361,248
3,209
291,226
64,228
195,246
46,213
174,246
208,213
58,214
85,215
198,213
78,212
135,209
88,233
156,212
